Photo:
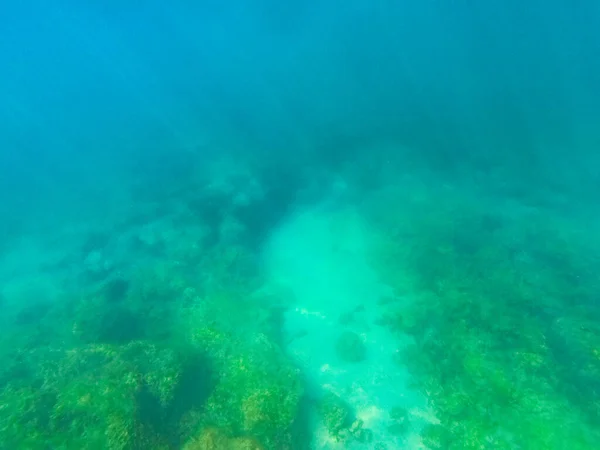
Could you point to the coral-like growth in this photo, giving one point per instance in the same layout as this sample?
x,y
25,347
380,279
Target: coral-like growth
x,y
259,392
214,439
504,327
122,361
336,415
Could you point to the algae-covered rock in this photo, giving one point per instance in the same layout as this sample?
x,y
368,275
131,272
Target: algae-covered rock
x,y
336,415
212,438
258,391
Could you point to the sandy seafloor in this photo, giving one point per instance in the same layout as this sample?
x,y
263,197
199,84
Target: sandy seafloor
x,y
320,253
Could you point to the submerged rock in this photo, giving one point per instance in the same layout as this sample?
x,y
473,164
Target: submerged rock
x,y
350,347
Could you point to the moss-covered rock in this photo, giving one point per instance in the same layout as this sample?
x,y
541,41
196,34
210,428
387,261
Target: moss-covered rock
x,y
257,393
211,438
503,325
336,415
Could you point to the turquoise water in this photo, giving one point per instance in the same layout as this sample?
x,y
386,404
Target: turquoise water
x,y
331,225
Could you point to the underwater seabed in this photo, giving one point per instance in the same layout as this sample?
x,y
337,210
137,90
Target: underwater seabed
x,y
320,256
419,313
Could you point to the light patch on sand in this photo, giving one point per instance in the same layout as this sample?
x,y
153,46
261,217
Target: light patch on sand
x,y
320,256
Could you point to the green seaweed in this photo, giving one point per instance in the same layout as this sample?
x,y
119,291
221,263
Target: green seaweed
x,y
504,327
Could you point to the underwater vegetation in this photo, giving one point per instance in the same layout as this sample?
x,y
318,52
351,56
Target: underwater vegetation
x,y
154,348
275,225
500,304
110,380
163,338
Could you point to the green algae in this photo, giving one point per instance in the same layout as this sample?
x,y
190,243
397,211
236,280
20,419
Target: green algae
x,y
150,362
504,325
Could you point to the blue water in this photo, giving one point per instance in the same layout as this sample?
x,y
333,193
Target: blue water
x,y
321,225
